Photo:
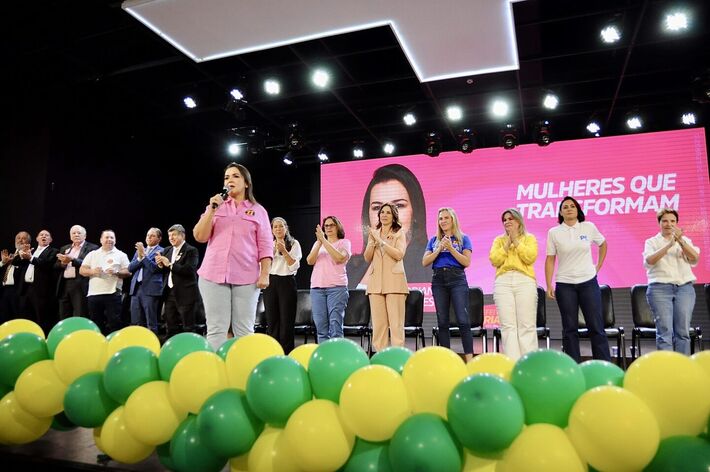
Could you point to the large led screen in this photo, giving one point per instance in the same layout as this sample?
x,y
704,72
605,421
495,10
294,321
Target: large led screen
x,y
620,181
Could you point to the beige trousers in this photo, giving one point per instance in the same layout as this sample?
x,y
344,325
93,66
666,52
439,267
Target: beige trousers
x,y
515,295
387,313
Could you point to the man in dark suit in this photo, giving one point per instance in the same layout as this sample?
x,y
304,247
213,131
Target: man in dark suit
x,y
179,264
11,276
72,287
147,282
37,286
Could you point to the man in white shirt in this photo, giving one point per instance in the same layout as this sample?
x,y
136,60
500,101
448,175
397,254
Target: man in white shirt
x,y
106,268
72,287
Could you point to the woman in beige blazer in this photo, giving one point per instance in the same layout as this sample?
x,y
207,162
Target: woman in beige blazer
x,y
387,282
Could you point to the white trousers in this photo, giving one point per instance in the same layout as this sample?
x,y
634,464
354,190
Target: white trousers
x,y
515,295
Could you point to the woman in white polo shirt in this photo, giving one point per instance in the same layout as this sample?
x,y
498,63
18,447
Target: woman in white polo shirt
x,y
576,283
668,257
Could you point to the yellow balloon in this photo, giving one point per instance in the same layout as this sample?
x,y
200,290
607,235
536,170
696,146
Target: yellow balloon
x,y
79,353
195,378
17,426
270,453
246,353
150,416
20,325
374,402
303,354
118,442
133,336
97,439
676,389
430,375
317,438
491,363
702,358
239,463
478,464
613,430
541,447
39,390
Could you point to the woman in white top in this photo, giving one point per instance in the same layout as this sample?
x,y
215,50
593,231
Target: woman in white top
x,y
280,295
668,257
576,283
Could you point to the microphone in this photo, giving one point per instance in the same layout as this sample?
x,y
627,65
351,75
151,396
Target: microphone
x,y
224,194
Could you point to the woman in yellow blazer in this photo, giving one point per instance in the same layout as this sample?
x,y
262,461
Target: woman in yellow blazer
x,y
513,255
387,282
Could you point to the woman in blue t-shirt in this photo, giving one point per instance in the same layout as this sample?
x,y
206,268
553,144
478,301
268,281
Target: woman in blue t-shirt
x,y
450,253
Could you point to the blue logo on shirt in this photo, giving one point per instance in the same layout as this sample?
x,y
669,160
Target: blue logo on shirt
x,y
583,237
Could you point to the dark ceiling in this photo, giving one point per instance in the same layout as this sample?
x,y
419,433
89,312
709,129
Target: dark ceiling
x,y
91,59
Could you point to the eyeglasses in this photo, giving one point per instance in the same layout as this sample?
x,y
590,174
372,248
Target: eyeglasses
x,y
329,225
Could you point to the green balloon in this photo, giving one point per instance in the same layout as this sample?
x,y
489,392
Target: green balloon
x,y
128,369
485,413
681,454
425,443
548,382
598,373
394,357
226,424
276,387
17,352
178,347
331,364
224,348
163,452
188,451
64,328
86,401
60,422
368,456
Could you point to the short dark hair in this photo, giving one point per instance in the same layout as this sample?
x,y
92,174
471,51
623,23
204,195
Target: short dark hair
x,y
580,213
666,211
338,224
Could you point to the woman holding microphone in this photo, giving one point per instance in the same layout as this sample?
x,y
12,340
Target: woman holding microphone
x,y
576,284
513,255
387,282
238,257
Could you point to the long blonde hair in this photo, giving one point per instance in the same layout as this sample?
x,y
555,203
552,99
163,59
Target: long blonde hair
x,y
455,229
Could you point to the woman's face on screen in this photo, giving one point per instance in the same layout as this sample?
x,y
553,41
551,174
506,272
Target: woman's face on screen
x,y
391,191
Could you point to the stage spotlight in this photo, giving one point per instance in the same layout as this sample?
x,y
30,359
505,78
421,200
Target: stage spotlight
x,y
189,102
255,141
499,108
676,21
358,151
541,133
633,121
688,119
550,101
272,87
466,141
234,149
594,128
235,106
611,34
288,159
294,139
509,137
320,78
454,113
409,119
388,148
237,94
432,144
323,155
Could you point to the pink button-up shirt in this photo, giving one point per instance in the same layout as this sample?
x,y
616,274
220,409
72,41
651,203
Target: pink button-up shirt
x,y
241,237
326,273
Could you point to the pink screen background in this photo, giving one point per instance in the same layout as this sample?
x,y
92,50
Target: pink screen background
x,y
481,185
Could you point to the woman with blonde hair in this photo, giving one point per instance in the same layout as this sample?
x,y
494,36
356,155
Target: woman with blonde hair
x,y
513,254
449,253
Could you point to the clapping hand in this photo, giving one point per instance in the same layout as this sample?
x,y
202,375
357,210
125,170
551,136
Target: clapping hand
x,y
320,235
